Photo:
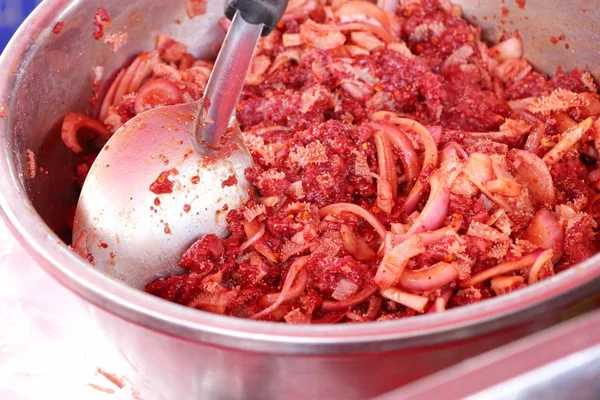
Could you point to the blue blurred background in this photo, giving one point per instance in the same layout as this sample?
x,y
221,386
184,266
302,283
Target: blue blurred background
x,y
12,13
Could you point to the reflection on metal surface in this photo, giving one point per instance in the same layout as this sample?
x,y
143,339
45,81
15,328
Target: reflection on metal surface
x,y
561,363
543,24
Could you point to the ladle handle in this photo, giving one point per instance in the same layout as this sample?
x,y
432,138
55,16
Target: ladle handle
x,y
226,82
266,12
249,20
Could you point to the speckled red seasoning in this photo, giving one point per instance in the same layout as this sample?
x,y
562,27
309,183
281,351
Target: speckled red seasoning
x,y
232,180
115,380
58,28
555,40
101,21
520,3
162,184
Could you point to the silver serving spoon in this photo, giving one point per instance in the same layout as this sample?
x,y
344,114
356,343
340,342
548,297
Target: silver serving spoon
x,y
170,175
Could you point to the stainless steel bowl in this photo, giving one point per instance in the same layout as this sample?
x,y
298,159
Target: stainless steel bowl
x,y
180,353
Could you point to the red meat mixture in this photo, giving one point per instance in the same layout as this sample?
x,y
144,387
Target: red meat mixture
x,y
402,166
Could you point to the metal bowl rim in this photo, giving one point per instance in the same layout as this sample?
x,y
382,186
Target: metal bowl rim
x,y
172,319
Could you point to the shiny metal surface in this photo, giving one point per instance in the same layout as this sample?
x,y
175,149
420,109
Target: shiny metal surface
x,y
560,363
227,79
136,235
555,33
177,352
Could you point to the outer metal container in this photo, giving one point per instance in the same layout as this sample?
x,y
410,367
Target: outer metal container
x,y
180,353
559,363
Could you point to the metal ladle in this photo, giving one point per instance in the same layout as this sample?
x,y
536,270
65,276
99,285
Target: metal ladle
x,y
196,172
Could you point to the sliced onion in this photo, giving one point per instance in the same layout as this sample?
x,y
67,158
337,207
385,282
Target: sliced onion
x,y
431,278
157,93
503,135
355,245
252,229
356,50
393,263
533,174
378,31
429,238
452,149
215,303
123,87
298,9
362,11
109,98
258,68
436,209
458,57
374,307
484,231
521,104
366,40
388,5
440,302
545,232
439,305
344,290
408,154
558,100
387,173
508,49
354,209
569,139
352,316
504,187
534,139
436,133
430,159
321,36
512,70
294,292
358,90
563,121
295,268
291,40
413,301
71,125
296,317
414,198
542,260
147,63
479,170
330,318
360,297
256,237
593,104
283,58
504,268
501,284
